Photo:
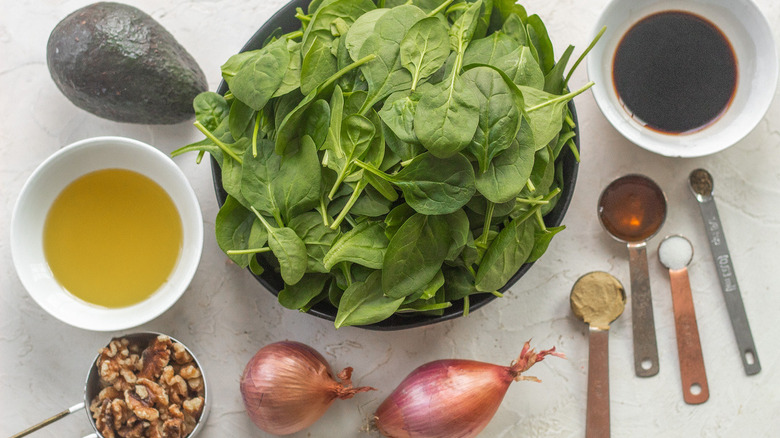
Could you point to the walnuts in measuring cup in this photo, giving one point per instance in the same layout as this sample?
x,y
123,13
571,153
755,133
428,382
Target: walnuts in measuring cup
x,y
154,392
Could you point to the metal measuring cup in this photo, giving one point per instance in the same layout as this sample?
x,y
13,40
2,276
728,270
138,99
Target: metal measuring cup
x,y
92,388
632,209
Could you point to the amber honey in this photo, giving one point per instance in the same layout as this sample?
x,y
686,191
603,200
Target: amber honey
x,y
632,208
112,237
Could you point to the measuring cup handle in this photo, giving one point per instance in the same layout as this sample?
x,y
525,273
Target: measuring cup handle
x,y
49,420
692,372
642,322
597,414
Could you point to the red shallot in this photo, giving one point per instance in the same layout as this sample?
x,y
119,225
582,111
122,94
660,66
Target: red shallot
x,y
451,398
287,386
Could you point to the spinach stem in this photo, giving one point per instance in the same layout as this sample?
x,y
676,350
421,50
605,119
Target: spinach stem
x,y
569,120
347,274
582,56
294,35
264,221
201,153
324,212
278,218
352,199
574,150
328,82
301,16
532,211
498,294
339,179
351,221
531,201
466,305
254,135
488,219
406,163
248,251
530,185
219,144
473,273
374,170
540,219
260,216
440,8
564,98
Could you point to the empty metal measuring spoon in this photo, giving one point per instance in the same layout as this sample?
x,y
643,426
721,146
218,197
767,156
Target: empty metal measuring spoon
x,y
702,185
675,253
632,209
598,298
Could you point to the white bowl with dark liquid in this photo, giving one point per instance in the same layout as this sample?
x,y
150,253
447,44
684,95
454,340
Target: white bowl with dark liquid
x,y
745,30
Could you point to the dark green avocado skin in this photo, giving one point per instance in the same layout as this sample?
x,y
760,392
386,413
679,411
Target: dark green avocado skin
x,y
118,63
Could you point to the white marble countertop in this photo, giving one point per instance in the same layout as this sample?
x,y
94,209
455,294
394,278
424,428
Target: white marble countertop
x,y
225,315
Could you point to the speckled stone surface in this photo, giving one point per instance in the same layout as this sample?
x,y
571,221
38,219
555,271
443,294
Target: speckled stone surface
x,y
225,316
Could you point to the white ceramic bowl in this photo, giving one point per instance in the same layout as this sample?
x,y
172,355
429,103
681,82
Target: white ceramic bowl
x,y
751,38
40,191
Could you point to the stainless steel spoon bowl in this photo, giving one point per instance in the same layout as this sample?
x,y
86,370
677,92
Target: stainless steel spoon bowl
x,y
632,209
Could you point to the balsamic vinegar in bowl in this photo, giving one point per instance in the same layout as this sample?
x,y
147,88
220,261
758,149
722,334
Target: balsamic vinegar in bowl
x,y
675,72
687,78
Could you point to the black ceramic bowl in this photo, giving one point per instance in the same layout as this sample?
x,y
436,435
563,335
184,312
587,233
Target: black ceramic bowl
x,y
285,19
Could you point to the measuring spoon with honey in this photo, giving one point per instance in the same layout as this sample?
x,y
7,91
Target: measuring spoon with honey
x,y
598,298
675,253
632,209
701,183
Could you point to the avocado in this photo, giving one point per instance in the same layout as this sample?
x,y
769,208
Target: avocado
x,y
118,63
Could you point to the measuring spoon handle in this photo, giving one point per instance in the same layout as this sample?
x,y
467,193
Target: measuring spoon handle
x,y
692,372
597,412
49,420
642,321
728,283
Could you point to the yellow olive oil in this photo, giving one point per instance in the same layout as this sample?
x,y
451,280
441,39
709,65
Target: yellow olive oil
x,y
112,237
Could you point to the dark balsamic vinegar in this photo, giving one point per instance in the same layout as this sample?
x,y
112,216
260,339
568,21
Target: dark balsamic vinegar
x,y
675,72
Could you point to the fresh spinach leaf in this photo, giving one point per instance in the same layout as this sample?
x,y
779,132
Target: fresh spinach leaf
x,y
238,229
414,255
260,76
365,245
364,303
289,250
499,117
424,49
303,292
317,66
506,176
508,251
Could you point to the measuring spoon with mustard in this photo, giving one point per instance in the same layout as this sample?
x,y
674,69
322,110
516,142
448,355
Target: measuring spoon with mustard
x,y
702,185
676,252
598,298
632,209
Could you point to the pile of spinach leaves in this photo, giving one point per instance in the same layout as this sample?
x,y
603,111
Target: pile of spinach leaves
x,y
391,157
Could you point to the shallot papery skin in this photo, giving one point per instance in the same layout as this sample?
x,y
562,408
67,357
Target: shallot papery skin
x,y
287,386
451,398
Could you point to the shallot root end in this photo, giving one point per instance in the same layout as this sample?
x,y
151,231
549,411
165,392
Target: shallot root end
x,y
528,357
345,390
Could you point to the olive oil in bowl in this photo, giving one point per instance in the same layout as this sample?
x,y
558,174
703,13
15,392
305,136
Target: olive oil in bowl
x,y
112,237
